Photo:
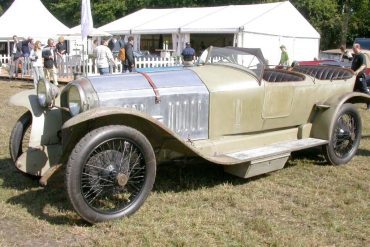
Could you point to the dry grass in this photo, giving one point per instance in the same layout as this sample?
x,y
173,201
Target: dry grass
x,y
306,204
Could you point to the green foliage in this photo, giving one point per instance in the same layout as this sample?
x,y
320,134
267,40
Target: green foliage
x,y
325,17
108,11
67,11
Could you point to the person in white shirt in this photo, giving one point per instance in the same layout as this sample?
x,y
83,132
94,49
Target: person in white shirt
x,y
103,57
37,65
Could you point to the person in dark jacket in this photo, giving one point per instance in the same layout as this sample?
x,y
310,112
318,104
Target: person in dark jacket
x,y
129,63
17,57
26,50
358,67
188,55
115,45
50,64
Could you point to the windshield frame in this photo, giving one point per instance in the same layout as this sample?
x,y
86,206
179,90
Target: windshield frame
x,y
255,53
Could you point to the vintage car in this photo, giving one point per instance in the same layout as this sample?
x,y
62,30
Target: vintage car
x,y
110,132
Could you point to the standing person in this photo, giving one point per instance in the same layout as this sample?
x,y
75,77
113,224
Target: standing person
x,y
103,57
284,57
129,63
188,55
61,50
17,57
114,45
94,45
26,51
36,59
344,54
50,65
359,66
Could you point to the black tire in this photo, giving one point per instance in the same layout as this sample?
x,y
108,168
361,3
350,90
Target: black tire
x,y
19,138
345,137
110,173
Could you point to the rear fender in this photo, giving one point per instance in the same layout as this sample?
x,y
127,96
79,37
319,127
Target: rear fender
x,y
324,118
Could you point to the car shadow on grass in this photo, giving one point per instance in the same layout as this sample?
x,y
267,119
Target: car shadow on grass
x,y
49,203
363,152
180,176
314,155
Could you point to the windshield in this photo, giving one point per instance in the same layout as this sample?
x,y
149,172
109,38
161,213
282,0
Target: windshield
x,y
235,57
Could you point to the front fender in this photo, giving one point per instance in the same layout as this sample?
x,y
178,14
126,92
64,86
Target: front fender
x,y
46,123
159,135
324,119
44,146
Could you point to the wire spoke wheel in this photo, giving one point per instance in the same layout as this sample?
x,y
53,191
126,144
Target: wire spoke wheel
x,y
110,173
113,175
345,136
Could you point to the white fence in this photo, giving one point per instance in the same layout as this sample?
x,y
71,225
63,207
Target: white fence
x,y
75,64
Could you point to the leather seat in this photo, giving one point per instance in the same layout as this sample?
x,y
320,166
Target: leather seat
x,y
324,72
276,75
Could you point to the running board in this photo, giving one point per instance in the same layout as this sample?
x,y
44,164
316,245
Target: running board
x,y
269,158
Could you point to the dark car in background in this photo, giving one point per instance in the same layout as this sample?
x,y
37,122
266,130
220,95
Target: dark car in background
x,y
364,43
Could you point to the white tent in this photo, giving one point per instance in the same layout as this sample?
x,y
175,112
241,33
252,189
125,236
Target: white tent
x,y
29,18
265,26
76,31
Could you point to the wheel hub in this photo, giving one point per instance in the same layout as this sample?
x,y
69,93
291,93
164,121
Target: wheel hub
x,y
122,179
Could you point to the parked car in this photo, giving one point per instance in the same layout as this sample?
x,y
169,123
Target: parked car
x,y
144,54
329,57
364,43
110,132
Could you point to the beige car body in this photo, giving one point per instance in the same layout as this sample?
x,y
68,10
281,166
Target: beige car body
x,y
246,115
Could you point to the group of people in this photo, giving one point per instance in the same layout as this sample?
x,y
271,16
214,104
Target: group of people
x,y
109,51
44,61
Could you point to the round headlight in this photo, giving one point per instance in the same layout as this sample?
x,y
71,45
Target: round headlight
x,y
75,100
46,93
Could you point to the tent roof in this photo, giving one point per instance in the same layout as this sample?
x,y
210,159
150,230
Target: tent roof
x,y
280,18
76,31
125,24
26,18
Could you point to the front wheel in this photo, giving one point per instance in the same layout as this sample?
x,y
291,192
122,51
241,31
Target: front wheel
x,y
110,173
345,136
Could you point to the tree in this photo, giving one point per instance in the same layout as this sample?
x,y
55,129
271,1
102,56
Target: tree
x,y
68,11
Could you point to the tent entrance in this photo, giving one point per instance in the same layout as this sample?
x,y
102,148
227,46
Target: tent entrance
x,y
201,41
155,42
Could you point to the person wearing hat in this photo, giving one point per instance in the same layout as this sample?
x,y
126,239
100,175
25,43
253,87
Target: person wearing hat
x,y
284,58
188,55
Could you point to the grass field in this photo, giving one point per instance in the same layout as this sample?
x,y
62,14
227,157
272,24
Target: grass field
x,y
308,203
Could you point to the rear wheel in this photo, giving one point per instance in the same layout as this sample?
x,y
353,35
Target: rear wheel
x,y
110,173
345,137
20,136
